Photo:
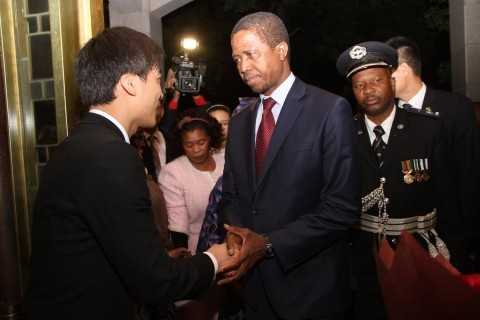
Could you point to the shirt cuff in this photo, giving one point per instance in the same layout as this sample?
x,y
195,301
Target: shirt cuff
x,y
215,263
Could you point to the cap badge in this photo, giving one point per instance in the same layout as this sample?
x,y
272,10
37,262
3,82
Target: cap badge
x,y
358,52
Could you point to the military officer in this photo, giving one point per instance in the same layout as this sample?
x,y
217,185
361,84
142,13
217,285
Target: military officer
x,y
400,152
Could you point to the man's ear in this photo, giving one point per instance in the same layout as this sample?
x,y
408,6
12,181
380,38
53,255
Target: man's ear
x,y
128,82
404,68
282,49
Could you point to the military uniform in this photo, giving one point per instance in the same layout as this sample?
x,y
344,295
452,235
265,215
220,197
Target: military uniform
x,y
412,160
411,175
401,180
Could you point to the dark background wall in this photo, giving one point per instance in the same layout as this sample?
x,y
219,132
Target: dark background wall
x,y
319,32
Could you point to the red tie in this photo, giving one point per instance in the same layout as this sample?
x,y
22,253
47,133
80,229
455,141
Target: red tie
x,y
264,133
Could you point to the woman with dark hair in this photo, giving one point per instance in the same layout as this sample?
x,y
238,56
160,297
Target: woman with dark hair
x,y
187,181
222,114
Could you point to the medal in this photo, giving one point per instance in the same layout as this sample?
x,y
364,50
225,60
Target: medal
x,y
416,169
407,172
426,175
408,179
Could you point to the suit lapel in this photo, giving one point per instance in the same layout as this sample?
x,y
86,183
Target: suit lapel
x,y
250,141
290,111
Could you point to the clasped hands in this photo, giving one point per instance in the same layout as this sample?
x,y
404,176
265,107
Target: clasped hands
x,y
242,249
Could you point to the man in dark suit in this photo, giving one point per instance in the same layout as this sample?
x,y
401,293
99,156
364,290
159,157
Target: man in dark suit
x,y
401,158
95,251
463,145
290,184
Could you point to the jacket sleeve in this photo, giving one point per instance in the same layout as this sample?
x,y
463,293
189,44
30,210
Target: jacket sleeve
x,y
174,194
229,196
117,210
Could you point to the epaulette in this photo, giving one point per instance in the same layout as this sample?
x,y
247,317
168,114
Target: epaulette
x,y
427,112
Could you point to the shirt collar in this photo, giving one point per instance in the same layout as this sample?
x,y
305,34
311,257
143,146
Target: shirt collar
x,y
114,121
386,125
280,93
417,100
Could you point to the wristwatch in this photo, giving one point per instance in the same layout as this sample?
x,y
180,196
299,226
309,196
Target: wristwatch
x,y
268,247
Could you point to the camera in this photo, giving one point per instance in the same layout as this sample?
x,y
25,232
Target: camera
x,y
188,74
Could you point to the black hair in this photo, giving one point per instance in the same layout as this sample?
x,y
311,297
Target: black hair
x,y
268,26
198,118
109,55
408,52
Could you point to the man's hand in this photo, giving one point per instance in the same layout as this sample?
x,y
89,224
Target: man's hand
x,y
220,253
246,253
233,241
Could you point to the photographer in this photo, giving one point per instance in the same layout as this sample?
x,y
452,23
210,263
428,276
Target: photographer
x,y
180,101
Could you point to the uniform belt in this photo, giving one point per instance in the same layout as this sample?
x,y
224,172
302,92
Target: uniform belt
x,y
395,226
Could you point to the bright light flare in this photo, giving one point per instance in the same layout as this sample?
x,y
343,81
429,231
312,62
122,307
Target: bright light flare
x,y
189,43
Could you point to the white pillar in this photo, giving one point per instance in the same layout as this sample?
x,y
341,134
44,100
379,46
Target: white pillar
x,y
161,8
465,47
143,15
130,13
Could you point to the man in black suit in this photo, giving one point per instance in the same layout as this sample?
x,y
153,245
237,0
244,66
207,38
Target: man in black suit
x,y
290,184
95,251
401,155
463,145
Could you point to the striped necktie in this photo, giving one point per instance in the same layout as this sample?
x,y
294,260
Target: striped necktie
x,y
379,145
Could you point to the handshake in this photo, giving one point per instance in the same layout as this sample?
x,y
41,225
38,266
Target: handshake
x,y
242,249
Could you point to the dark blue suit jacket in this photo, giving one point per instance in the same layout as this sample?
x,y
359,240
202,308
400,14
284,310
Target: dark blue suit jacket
x,y
305,200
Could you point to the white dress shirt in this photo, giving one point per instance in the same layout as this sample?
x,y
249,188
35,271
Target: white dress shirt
x,y
417,100
386,125
279,95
